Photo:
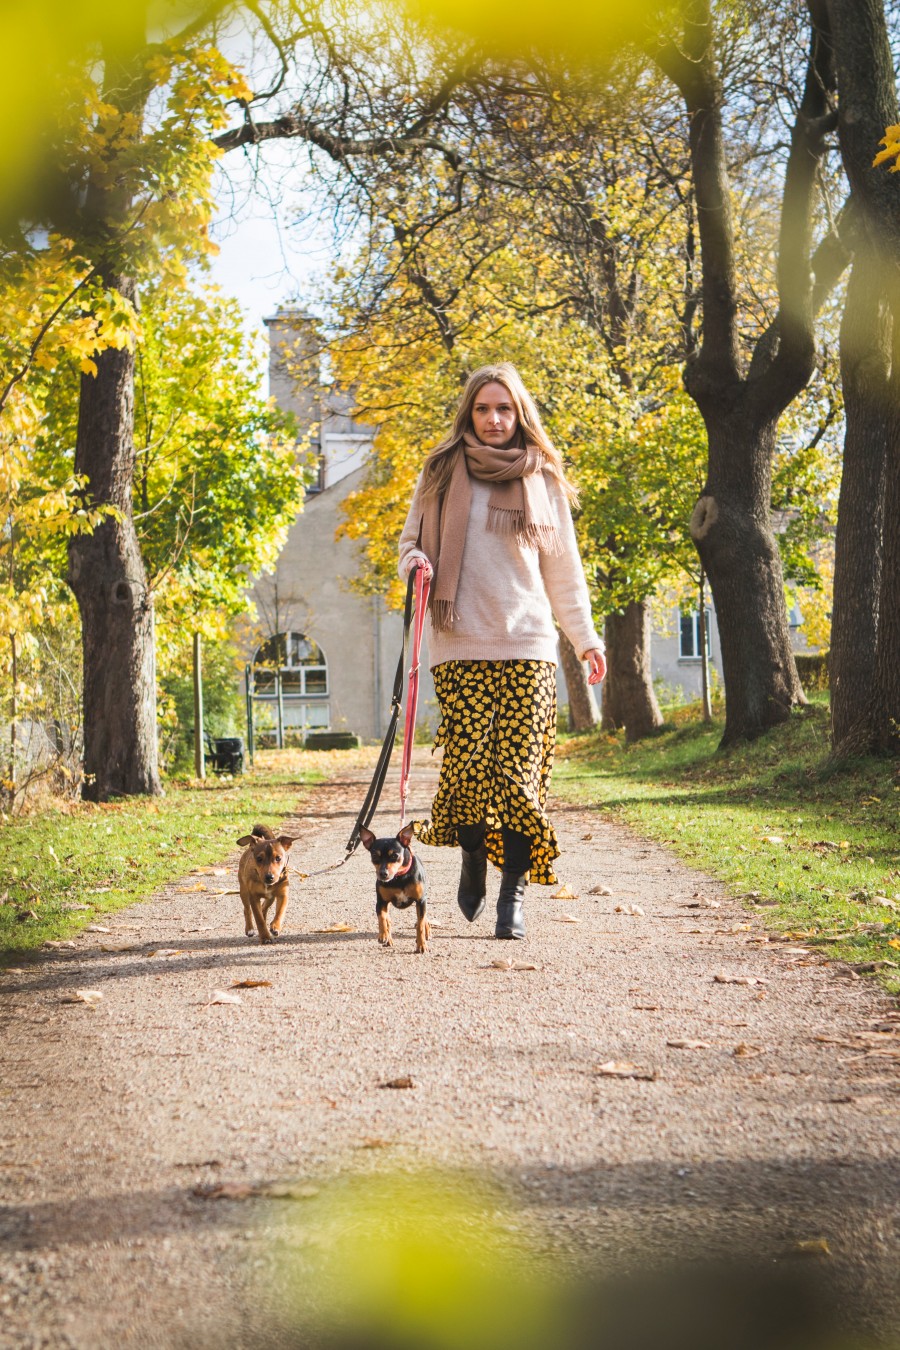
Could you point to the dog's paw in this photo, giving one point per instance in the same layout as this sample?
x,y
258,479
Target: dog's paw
x,y
385,942
421,949
251,933
274,933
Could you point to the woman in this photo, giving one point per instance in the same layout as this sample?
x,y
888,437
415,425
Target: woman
x,y
490,522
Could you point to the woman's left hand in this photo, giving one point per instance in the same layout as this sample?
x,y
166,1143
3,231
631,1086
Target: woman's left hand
x,y
597,663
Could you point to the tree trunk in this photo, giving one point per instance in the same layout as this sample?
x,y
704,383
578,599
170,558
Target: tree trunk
x,y
106,572
741,402
884,714
867,105
865,369
733,533
629,699
582,708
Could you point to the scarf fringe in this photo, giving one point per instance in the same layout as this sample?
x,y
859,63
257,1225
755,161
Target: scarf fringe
x,y
441,614
544,538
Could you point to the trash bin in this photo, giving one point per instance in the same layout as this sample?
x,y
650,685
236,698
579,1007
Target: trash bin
x,y
225,754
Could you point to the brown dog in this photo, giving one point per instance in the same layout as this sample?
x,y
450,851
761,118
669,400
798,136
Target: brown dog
x,y
263,880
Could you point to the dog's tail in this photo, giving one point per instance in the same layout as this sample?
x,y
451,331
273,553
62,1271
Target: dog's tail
x,y
262,832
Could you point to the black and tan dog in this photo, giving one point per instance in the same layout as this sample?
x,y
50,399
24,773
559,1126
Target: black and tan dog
x,y
400,881
263,880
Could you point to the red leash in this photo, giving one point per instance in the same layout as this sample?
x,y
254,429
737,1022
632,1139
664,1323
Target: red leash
x,y
412,696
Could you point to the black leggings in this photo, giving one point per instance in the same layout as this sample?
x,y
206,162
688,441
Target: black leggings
x,y
516,846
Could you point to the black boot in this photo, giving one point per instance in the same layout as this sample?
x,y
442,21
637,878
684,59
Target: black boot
x,y
472,882
510,907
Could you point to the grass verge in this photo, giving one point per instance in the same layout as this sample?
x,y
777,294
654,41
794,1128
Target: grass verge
x,y
65,866
814,845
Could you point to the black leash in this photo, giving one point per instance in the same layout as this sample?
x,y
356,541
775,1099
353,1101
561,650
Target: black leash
x,y
370,804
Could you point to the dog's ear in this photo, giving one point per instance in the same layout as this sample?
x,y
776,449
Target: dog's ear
x,y
285,840
366,837
406,834
246,840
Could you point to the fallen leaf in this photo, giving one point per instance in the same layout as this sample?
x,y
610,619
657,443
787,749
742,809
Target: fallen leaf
x,y
89,996
251,984
14,970
894,942
51,942
337,928
97,928
564,893
404,1082
744,1051
287,1190
240,1190
167,951
688,1045
634,910
504,963
198,886
623,1068
587,838
224,1190
222,996
772,839
748,980
119,946
565,918
599,890
813,1247
372,1142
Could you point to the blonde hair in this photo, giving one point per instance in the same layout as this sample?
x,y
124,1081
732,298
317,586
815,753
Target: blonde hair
x,y
440,462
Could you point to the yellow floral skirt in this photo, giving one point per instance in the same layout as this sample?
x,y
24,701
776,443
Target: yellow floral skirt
x,y
498,730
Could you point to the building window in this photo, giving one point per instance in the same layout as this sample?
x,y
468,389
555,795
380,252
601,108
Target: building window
x,y
317,482
689,635
303,672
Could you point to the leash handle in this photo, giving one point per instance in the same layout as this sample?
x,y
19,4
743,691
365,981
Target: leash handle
x,y
423,585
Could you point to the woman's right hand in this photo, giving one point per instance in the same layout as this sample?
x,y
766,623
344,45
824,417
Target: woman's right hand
x,y
419,560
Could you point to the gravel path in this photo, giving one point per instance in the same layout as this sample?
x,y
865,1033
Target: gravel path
x,y
763,1115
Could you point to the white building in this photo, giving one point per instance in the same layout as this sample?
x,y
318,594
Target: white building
x,y
336,650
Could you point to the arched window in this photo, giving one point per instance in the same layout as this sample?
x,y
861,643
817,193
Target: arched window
x,y
303,671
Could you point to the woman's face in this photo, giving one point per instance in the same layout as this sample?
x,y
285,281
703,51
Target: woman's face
x,y
494,418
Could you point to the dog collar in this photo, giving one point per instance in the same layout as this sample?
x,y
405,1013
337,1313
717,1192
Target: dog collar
x,y
408,865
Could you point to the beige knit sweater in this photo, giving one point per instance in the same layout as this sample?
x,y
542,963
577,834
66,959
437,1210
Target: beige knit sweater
x,y
507,595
